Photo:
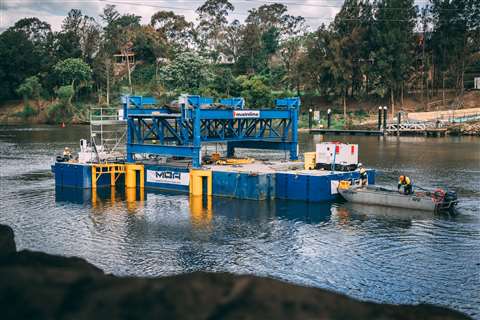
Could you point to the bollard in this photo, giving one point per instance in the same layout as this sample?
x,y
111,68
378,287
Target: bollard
x,y
329,118
385,118
310,118
379,118
399,120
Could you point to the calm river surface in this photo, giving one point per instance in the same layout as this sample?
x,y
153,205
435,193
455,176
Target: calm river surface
x,y
392,256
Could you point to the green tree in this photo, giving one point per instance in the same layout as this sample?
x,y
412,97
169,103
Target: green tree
x,y
73,71
394,40
250,55
84,31
60,111
231,45
30,89
455,41
224,83
176,31
186,73
255,91
212,17
18,60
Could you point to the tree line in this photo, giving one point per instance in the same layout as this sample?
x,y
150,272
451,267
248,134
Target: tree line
x,y
382,49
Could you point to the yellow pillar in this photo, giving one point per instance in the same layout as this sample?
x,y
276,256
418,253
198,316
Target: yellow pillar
x,y
94,177
112,177
130,177
196,185
112,194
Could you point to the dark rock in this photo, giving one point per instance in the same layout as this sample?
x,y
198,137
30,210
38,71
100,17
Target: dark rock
x,y
7,240
40,286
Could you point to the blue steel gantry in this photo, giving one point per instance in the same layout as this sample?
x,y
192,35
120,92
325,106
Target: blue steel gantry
x,y
166,132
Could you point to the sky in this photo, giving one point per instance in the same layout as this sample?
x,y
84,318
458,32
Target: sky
x,y
54,11
315,12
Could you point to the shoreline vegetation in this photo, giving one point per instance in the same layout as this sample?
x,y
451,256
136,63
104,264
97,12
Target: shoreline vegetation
x,y
362,116
44,286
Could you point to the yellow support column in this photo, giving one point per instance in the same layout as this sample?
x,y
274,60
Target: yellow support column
x,y
94,177
112,177
131,175
196,182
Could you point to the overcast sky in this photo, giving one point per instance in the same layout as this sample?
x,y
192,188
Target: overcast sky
x,y
316,12
54,11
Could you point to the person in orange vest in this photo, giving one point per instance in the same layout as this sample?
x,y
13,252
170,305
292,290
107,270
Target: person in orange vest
x,y
406,183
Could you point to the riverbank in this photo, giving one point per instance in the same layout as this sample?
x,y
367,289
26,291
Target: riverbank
x,y
43,286
361,113
40,112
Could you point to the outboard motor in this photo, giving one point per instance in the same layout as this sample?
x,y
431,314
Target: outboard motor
x,y
450,196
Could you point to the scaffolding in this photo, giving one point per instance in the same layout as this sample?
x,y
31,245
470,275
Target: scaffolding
x,y
108,128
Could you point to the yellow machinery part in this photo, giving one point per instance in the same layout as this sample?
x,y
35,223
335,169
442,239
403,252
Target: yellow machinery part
x,y
113,169
196,182
235,161
310,160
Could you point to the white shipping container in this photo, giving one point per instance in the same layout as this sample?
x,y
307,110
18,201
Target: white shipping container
x,y
344,155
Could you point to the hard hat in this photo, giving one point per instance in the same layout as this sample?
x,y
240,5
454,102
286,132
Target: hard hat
x,y
360,164
402,177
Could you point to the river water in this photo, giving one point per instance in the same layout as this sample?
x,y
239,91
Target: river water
x,y
394,256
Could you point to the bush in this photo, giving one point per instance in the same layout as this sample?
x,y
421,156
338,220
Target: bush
x,y
65,93
143,74
27,112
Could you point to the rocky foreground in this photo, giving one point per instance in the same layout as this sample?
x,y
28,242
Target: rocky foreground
x,y
36,285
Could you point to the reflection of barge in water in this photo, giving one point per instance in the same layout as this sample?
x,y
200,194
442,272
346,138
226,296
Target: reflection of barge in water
x,y
164,149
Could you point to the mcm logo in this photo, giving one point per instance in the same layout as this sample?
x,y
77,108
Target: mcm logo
x,y
167,175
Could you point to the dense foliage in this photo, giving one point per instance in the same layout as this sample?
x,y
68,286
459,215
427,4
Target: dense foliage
x,y
381,49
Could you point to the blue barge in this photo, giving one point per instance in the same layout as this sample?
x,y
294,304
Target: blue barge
x,y
164,149
256,181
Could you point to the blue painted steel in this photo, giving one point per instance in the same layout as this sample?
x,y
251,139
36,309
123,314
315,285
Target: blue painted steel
x,y
138,101
288,102
243,185
76,175
197,101
236,103
313,188
180,151
158,131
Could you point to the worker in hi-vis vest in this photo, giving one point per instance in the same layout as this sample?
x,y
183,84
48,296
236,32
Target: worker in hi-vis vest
x,y
363,175
406,183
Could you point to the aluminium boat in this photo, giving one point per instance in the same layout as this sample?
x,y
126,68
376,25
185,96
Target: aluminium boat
x,y
435,201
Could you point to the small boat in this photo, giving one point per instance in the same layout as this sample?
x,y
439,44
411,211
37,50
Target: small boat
x,y
435,201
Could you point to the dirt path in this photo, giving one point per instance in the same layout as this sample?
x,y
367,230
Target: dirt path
x,y
446,114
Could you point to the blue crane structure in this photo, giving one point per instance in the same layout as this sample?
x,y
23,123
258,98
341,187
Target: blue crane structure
x,y
166,132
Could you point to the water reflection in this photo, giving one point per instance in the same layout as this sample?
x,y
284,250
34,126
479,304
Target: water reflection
x,y
372,253
203,209
101,199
